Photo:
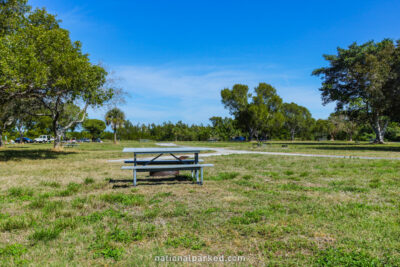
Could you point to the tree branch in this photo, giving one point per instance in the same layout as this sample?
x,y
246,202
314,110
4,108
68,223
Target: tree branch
x,y
77,120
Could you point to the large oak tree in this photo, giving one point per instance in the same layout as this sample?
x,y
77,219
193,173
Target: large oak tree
x,y
365,78
39,62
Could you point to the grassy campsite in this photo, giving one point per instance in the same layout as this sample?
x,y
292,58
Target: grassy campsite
x,y
76,208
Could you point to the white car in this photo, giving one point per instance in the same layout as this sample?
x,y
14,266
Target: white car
x,y
44,139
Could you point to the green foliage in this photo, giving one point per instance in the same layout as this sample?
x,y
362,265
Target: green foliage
x,y
116,118
63,76
224,129
257,117
364,80
94,127
297,119
12,15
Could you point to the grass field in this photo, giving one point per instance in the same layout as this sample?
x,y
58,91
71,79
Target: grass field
x,y
59,208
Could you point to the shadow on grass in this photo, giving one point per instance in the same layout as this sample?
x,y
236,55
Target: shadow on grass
x,y
152,181
32,154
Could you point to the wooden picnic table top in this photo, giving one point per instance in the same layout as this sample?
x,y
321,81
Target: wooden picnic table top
x,y
155,150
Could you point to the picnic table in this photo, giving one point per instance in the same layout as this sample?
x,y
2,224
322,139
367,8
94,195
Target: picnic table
x,y
149,165
70,144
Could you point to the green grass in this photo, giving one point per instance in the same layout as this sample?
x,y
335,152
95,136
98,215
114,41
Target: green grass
x,y
59,208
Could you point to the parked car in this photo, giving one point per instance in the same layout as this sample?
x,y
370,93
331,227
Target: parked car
x,y
97,140
84,140
24,140
239,139
44,139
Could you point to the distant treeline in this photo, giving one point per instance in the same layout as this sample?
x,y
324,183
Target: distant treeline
x,y
221,129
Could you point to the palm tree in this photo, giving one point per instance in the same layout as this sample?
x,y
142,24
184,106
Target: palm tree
x,y
115,117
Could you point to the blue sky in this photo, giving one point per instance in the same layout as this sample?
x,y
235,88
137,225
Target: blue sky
x,y
174,57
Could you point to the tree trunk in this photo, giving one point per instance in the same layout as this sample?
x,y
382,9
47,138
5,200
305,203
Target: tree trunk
x,y
251,134
332,137
57,135
115,135
379,130
57,139
1,139
351,138
292,133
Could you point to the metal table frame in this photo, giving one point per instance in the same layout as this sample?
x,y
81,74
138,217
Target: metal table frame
x,y
165,150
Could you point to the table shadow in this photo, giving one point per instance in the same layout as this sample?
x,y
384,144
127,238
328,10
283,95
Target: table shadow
x,y
181,179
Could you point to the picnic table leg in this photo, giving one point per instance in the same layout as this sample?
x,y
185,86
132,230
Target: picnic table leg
x,y
197,176
192,174
201,170
134,177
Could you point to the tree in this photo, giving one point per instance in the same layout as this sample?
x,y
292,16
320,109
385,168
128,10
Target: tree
x,y
322,128
365,74
38,61
71,78
259,116
224,128
334,125
297,118
94,127
115,117
347,124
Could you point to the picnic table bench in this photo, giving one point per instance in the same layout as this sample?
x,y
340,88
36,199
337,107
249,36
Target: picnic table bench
x,y
163,162
71,144
176,164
